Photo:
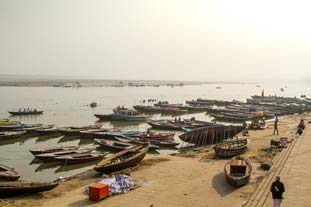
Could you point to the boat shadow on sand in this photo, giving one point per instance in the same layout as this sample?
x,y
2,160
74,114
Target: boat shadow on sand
x,y
221,186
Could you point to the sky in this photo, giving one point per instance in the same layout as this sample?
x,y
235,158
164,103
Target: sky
x,y
206,40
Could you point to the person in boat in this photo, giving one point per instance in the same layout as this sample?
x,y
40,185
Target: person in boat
x,y
277,189
192,119
276,126
283,142
35,110
179,119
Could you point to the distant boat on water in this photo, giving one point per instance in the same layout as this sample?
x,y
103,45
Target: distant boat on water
x,y
122,114
218,87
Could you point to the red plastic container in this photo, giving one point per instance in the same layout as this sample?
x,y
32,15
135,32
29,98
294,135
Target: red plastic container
x,y
98,191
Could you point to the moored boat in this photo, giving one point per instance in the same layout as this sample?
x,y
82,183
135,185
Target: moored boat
x,y
10,189
11,134
48,131
135,141
210,134
122,160
47,157
164,125
8,173
238,171
231,148
122,114
6,125
81,158
113,145
52,149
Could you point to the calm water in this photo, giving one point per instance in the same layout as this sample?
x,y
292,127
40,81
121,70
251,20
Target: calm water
x,y
69,107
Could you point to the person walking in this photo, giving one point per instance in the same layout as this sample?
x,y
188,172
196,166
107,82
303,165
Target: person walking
x,y
276,126
277,189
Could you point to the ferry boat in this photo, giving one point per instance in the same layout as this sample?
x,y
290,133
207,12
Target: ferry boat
x,y
122,114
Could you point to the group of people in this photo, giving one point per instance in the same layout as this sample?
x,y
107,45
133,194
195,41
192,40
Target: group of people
x,y
27,110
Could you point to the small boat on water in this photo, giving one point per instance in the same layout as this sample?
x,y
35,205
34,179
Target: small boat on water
x,y
8,173
136,141
90,132
48,131
164,125
154,136
10,189
52,149
122,114
11,134
158,109
112,134
230,148
113,145
20,113
238,171
6,125
122,160
47,157
30,128
81,158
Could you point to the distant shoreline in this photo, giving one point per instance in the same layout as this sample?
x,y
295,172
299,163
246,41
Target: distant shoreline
x,y
44,82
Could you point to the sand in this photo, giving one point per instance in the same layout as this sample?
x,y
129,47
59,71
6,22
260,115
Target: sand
x,y
194,178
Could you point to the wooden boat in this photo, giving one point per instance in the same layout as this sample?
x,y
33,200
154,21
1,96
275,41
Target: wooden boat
x,y
158,109
113,145
210,134
90,132
81,158
32,127
154,136
10,189
11,134
8,173
122,114
122,160
103,117
238,171
231,148
47,157
52,149
19,113
136,141
164,125
10,125
112,134
49,131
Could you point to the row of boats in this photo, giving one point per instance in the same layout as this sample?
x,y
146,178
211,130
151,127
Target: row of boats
x,y
228,111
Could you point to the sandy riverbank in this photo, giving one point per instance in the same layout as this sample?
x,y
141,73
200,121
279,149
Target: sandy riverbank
x,y
191,179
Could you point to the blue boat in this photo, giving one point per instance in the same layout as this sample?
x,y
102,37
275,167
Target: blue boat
x,y
122,114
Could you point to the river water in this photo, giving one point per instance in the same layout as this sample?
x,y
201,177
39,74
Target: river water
x,y
70,107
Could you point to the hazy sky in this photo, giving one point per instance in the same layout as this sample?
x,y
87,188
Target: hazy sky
x,y
156,39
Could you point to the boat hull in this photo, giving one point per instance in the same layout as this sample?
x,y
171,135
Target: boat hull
x,y
10,189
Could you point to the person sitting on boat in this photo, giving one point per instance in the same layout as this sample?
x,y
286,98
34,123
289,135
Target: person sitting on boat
x,y
192,119
19,110
179,119
35,110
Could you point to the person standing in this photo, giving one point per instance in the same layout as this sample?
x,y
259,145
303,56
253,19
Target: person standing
x,y
276,126
277,189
